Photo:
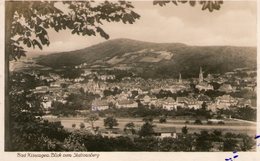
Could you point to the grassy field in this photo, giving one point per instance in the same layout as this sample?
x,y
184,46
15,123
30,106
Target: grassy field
x,y
234,126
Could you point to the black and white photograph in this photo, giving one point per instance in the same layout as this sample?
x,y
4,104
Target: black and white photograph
x,y
130,76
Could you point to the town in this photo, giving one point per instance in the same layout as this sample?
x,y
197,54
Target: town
x,y
217,91
136,76
102,103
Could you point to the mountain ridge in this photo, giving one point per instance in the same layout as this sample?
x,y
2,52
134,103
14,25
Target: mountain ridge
x,y
177,57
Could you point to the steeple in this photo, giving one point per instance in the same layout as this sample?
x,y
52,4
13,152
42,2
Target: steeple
x,y
201,75
180,80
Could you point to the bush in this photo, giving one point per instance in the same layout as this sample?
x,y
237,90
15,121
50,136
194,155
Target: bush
x,y
221,122
110,122
187,122
162,119
209,122
82,125
198,122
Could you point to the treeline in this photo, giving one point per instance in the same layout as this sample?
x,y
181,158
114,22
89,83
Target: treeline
x,y
81,140
29,132
244,113
155,112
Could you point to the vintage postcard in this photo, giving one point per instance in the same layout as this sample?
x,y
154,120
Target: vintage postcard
x,y
127,80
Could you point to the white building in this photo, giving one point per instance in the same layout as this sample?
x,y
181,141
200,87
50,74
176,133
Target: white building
x,y
99,105
165,132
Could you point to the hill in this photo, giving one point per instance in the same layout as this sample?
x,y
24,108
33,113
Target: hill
x,y
162,59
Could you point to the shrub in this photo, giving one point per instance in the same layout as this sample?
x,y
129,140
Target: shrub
x,y
209,122
82,125
187,122
162,119
221,122
198,122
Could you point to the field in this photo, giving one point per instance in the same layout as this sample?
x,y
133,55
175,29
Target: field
x,y
234,126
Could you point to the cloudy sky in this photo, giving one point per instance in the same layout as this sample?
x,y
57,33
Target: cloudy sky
x,y
234,24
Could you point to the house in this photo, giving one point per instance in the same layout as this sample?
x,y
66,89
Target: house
x,y
215,121
86,73
188,102
169,104
122,96
193,103
111,133
212,106
41,89
209,78
159,103
46,104
165,132
99,105
203,98
243,102
225,101
54,76
111,99
156,90
106,77
178,87
204,86
148,100
80,79
126,103
55,84
226,88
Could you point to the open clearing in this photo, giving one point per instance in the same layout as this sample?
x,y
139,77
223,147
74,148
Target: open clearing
x,y
234,126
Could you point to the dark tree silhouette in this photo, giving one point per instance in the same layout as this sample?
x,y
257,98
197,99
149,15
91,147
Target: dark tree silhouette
x,y
91,118
131,127
210,5
184,130
110,122
146,129
27,21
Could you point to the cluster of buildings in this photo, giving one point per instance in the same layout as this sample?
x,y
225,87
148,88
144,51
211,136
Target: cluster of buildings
x,y
131,92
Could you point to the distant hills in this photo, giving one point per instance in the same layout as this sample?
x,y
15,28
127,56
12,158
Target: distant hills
x,y
162,59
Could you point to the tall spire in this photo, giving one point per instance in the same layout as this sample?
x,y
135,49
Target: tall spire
x,y
201,75
180,80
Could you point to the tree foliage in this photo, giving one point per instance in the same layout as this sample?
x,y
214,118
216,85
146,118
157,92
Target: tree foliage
x,y
82,125
74,142
131,127
163,119
146,129
30,20
91,118
110,122
184,130
210,5
203,142
29,132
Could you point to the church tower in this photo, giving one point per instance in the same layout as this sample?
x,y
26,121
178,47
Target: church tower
x,y
201,75
180,80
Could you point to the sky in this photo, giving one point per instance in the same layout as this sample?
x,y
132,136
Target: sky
x,y
234,24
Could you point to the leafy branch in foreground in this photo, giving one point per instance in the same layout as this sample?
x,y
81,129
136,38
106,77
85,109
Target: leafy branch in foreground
x,y
210,5
27,22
